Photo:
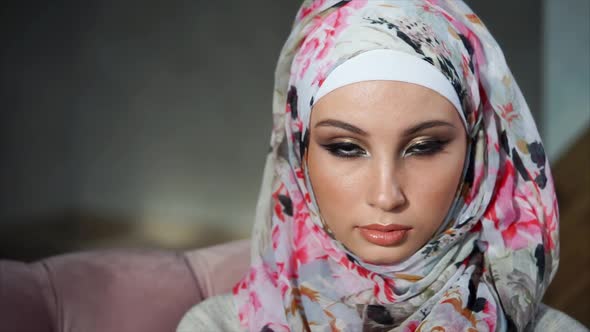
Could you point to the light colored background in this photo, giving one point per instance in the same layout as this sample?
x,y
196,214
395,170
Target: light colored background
x,y
159,111
566,71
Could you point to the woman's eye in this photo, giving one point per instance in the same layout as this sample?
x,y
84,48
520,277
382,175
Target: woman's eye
x,y
425,148
345,150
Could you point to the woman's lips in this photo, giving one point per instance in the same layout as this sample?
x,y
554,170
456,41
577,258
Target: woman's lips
x,y
384,235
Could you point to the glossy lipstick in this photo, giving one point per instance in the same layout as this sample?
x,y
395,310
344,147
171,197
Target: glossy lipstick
x,y
384,235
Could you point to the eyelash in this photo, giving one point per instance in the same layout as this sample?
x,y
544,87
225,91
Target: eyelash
x,y
351,150
338,150
428,147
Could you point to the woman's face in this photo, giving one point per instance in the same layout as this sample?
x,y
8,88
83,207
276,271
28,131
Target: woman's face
x,y
385,159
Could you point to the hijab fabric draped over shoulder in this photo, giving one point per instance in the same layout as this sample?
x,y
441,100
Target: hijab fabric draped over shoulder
x,y
487,267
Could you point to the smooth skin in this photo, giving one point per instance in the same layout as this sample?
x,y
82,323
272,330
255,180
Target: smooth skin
x,y
385,152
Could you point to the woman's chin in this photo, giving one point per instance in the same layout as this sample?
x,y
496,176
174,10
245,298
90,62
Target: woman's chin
x,y
382,256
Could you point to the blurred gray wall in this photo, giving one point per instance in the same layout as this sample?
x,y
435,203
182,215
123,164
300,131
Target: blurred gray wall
x,y
149,109
566,89
161,110
517,27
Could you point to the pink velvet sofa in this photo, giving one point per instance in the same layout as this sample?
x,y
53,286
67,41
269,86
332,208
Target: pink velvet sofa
x,y
115,290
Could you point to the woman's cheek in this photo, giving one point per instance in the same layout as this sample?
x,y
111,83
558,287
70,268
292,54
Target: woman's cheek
x,y
339,186
432,185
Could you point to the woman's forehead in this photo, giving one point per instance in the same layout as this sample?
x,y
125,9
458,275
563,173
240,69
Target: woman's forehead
x,y
384,105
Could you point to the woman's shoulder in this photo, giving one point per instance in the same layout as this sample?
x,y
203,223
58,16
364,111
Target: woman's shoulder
x,y
215,314
549,319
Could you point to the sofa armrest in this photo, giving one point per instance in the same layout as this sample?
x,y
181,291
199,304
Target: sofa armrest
x,y
219,268
121,290
115,290
97,291
24,298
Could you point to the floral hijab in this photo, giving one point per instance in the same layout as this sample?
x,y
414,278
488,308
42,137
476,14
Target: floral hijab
x,y
490,263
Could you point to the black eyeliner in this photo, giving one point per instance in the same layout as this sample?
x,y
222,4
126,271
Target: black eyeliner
x,y
429,147
337,149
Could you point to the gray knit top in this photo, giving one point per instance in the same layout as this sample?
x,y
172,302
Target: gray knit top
x,y
218,314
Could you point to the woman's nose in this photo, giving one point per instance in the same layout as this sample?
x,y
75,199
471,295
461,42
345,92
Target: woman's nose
x,y
385,191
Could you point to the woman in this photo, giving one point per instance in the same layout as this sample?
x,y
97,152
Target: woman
x,y
416,195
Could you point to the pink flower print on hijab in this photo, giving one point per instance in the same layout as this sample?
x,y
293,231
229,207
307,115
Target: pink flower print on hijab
x,y
512,215
498,254
324,31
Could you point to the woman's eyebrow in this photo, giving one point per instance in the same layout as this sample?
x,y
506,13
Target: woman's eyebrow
x,y
408,132
426,125
342,125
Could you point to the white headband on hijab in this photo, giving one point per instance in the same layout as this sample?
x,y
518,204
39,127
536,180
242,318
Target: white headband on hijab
x,y
390,65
